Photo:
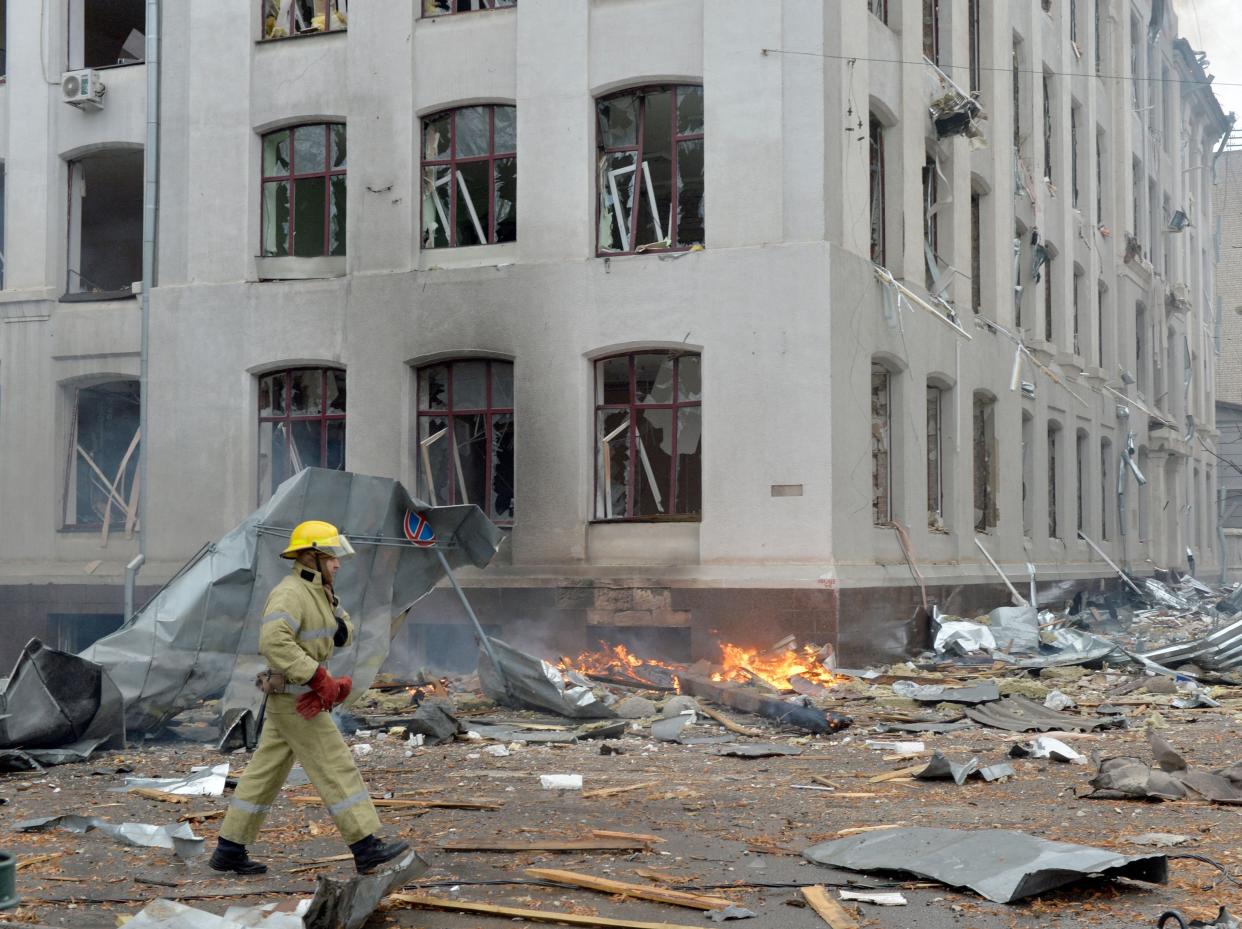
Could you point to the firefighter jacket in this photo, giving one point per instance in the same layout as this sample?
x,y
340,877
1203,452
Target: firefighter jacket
x,y
302,623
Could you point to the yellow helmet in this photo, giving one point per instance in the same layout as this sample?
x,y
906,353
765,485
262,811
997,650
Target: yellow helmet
x,y
317,536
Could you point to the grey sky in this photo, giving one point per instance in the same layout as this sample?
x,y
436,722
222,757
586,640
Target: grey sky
x,y
1215,26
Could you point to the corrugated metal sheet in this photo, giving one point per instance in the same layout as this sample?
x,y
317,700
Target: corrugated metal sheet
x,y
1218,651
1018,714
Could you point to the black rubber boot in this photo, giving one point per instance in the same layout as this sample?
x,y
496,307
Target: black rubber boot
x,y
229,856
371,852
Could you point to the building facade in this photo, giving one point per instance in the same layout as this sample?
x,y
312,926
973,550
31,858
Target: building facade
x,y
745,319
1225,200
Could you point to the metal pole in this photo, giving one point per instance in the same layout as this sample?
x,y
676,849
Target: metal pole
x,y
1030,569
1122,574
478,627
1221,493
131,577
1013,591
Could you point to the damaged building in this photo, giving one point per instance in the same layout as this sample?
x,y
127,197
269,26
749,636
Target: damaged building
x,y
740,320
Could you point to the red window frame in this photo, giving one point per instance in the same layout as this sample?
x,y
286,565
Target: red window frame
x,y
878,205
675,140
290,27
327,172
491,157
634,408
288,418
455,7
450,412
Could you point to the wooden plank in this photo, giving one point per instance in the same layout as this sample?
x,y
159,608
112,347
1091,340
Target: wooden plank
x,y
636,836
537,916
828,909
613,791
729,723
640,891
857,829
893,775
549,845
119,483
39,859
163,796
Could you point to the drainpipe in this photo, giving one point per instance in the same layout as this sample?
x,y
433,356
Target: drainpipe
x,y
1222,496
150,201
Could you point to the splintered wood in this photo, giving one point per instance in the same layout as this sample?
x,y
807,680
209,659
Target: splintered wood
x,y
613,791
828,909
549,845
638,891
542,916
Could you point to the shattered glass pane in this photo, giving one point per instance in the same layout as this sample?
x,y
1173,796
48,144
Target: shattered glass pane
x,y
881,425
436,192
336,391
689,378
502,466
309,149
334,454
469,385
308,217
437,139
473,182
616,191
307,448
338,145
433,388
107,420
276,153
306,391
613,468
272,395
470,434
506,199
689,110
271,28
613,380
276,219
304,16
618,121
434,474
336,226
690,220
502,385
437,7
655,203
653,378
690,459
473,131
935,505
506,129
655,455
273,457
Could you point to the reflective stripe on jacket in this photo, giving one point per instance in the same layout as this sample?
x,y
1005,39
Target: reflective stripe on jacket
x,y
299,622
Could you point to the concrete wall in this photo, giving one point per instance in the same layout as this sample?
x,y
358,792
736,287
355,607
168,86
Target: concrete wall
x,y
782,303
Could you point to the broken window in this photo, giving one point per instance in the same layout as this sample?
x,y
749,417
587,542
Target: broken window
x,y
1099,37
466,435
303,195
301,424
1049,329
470,177
976,253
1077,310
881,447
75,632
445,7
1047,127
283,18
1017,98
1144,498
101,465
877,191
106,33
931,222
1073,21
1136,173
985,460
1099,177
1028,474
650,146
1100,290
1054,434
1075,118
648,435
1080,488
4,42
976,65
2,179
879,9
935,457
1135,29
1140,348
931,30
105,224
1107,479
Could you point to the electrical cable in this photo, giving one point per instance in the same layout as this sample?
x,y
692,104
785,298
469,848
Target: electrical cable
x,y
1206,860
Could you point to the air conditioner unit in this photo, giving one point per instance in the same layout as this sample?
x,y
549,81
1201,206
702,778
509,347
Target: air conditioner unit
x,y
82,89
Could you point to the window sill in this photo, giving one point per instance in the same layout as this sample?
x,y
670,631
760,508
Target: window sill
x,y
434,17
300,269
675,252
111,67
100,297
467,256
646,520
271,40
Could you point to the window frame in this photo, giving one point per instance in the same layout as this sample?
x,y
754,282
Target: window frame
x,y
675,140
449,413
323,417
423,14
117,515
878,193
675,406
328,173
491,157
984,464
290,32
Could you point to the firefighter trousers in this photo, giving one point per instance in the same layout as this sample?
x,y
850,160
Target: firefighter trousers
x,y
317,745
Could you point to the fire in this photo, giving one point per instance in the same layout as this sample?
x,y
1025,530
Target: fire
x,y
620,664
743,664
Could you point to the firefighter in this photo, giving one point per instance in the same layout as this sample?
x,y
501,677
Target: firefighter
x,y
302,622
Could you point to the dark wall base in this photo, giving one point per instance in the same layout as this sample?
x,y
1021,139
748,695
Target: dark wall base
x,y
26,610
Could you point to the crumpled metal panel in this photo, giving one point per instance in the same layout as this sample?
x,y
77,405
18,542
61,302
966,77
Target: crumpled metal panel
x,y
998,864
1219,651
1018,714
523,680
198,638
177,836
348,904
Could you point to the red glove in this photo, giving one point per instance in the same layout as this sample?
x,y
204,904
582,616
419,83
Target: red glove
x,y
343,686
330,690
310,705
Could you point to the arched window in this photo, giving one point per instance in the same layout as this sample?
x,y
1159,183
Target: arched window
x,y
650,145
301,424
303,211
648,434
102,461
470,176
466,435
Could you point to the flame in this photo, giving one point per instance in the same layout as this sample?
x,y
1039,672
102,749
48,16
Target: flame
x,y
620,663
